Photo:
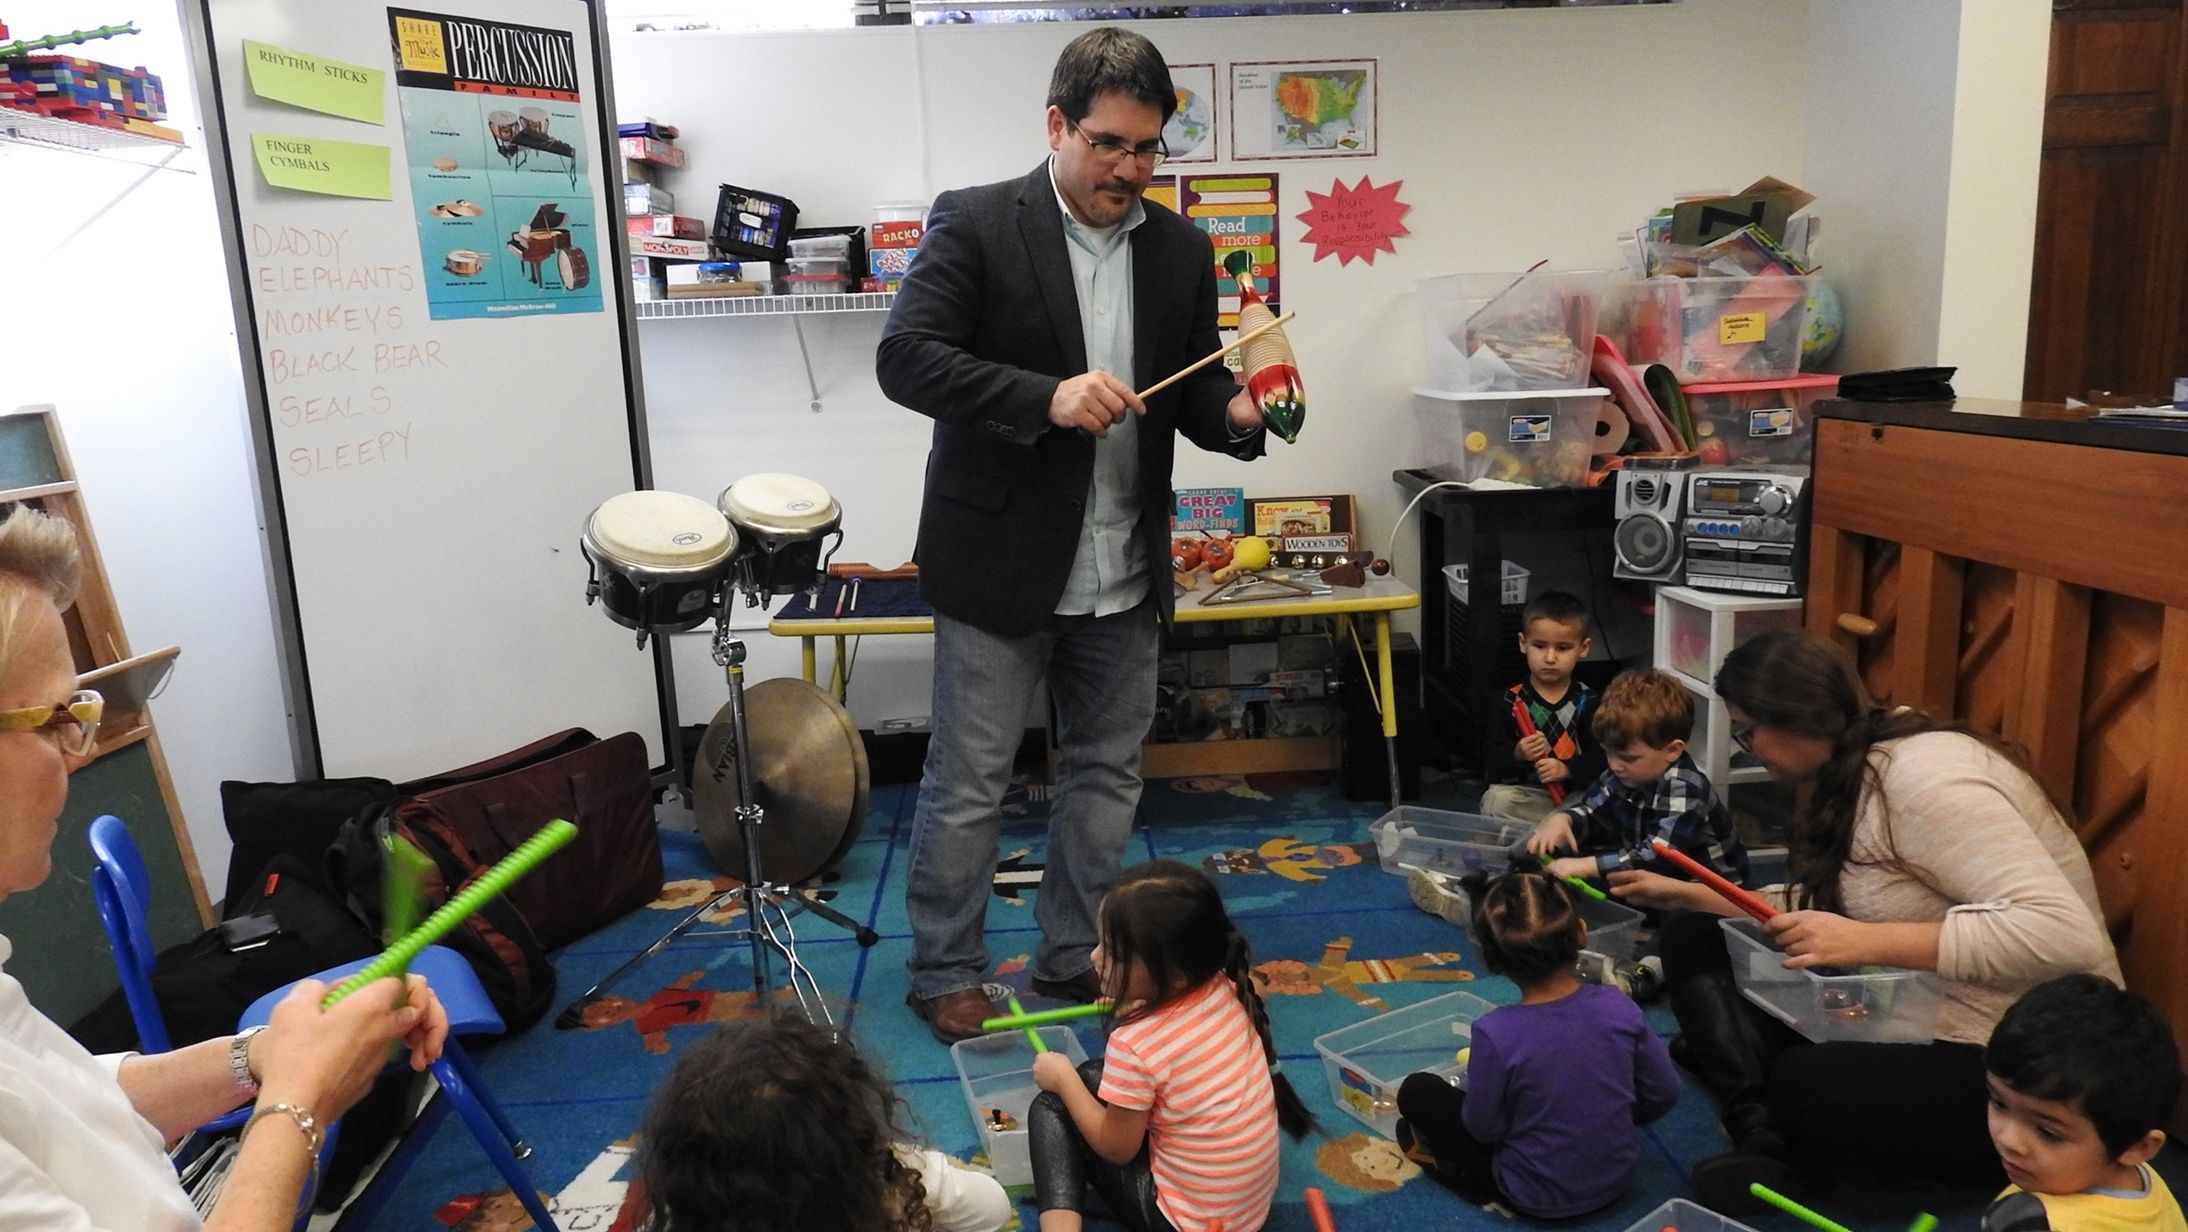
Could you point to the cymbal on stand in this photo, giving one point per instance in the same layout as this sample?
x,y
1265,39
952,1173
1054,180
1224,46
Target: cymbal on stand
x,y
809,775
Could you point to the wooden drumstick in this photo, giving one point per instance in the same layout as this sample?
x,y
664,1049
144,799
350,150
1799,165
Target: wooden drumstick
x,y
1198,364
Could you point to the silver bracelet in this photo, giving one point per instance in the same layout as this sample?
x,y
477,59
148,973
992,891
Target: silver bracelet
x,y
239,1059
306,1124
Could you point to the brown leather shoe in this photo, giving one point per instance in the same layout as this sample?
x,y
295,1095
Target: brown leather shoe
x,y
954,1016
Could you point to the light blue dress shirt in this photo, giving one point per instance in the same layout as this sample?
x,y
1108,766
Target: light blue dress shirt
x,y
1109,573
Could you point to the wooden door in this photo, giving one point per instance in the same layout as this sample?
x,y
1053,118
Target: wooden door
x,y
2107,309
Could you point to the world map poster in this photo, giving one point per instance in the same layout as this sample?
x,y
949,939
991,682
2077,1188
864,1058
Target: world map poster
x,y
1303,109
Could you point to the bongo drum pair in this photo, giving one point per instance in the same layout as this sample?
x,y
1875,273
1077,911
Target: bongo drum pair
x,y
667,561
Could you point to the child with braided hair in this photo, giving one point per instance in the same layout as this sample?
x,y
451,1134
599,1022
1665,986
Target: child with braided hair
x,y
1555,1085
1176,1128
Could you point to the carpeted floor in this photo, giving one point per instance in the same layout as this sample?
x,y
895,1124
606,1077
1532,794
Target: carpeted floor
x,y
1295,867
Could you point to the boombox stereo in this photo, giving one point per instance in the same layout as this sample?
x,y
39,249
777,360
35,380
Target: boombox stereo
x,y
1651,495
1745,530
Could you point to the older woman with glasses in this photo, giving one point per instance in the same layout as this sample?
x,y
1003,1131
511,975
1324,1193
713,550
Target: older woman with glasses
x,y
1923,845
80,1136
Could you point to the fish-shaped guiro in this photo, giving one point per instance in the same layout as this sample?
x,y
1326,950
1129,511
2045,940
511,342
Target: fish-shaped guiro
x,y
1272,375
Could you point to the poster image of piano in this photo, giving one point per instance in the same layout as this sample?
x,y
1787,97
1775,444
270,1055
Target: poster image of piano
x,y
500,181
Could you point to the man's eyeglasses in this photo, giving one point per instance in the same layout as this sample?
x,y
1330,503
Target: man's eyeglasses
x,y
74,723
1112,151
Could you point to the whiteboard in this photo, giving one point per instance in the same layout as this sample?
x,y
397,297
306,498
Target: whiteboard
x,y
434,428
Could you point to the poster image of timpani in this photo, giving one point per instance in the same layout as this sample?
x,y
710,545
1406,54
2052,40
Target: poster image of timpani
x,y
1237,212
1303,109
500,185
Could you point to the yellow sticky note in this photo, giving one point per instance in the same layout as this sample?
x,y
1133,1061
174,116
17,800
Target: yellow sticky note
x,y
316,83
418,45
1737,327
317,165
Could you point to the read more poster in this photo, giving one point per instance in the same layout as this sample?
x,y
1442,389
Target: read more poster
x,y
494,126
1237,212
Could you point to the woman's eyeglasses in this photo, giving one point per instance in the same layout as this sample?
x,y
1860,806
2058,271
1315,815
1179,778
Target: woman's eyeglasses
x,y
1743,734
73,723
1110,150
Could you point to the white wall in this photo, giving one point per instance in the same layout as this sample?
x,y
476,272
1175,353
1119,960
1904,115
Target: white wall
x,y
1519,136
1923,130
127,328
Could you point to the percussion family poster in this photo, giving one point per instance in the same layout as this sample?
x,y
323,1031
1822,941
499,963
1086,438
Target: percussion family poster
x,y
494,127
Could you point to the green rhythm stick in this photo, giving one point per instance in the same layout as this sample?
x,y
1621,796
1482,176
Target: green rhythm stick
x,y
402,886
1033,1036
396,959
1041,1018
1579,883
1924,1222
1795,1209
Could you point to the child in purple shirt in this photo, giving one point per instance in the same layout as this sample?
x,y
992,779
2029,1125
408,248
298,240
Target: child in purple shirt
x,y
1555,1085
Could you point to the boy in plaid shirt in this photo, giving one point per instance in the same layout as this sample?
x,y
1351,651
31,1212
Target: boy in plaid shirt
x,y
1651,790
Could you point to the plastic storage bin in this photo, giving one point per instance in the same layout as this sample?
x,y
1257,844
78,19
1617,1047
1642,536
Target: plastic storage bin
x,y
1757,423
1680,1215
1746,328
1878,1005
1540,439
1443,841
1513,590
1367,1061
996,1071
1510,331
1614,929
751,223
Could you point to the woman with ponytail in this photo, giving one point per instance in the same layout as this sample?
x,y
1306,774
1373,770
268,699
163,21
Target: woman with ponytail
x,y
1176,1127
1924,845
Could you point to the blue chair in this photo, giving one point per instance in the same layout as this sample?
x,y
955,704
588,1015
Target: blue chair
x,y
123,894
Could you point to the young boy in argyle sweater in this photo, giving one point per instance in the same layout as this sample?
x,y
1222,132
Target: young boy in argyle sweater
x,y
1561,750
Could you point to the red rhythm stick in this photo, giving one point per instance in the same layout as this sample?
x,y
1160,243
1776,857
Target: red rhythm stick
x,y
1732,894
1318,1210
1527,727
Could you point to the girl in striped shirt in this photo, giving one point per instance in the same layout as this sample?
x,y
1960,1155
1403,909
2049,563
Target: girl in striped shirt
x,y
1176,1127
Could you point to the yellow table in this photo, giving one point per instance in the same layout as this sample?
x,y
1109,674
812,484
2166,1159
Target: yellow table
x,y
1379,598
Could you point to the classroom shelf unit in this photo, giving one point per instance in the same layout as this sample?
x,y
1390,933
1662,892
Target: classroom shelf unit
x,y
1695,630
763,305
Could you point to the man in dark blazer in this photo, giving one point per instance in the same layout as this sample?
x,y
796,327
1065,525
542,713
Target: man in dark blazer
x,y
1034,310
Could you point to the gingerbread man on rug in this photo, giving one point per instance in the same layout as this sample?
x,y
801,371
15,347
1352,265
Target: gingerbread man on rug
x,y
1344,976
678,1005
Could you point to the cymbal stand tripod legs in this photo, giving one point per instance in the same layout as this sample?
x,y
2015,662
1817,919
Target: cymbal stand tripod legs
x,y
757,894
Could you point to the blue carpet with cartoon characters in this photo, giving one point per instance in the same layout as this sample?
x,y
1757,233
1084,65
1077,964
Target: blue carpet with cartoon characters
x,y
1333,934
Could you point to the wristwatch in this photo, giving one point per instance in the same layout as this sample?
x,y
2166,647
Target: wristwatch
x,y
239,1059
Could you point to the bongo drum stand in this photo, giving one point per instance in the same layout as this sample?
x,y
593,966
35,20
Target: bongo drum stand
x,y
769,906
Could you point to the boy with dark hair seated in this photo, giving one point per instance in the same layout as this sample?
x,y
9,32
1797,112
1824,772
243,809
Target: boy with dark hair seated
x,y
2081,1075
1522,765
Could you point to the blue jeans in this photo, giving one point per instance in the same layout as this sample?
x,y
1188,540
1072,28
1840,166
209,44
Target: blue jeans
x,y
1101,677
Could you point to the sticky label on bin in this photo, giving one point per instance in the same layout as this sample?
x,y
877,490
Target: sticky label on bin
x,y
1770,421
1528,430
1734,328
1354,1089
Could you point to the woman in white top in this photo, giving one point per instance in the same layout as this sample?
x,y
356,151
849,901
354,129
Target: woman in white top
x,y
1923,845
81,1136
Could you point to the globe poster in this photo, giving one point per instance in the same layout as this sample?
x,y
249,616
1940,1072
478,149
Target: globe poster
x,y
1190,136
1303,109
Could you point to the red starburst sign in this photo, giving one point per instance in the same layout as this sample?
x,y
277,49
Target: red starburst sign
x,y
1354,222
